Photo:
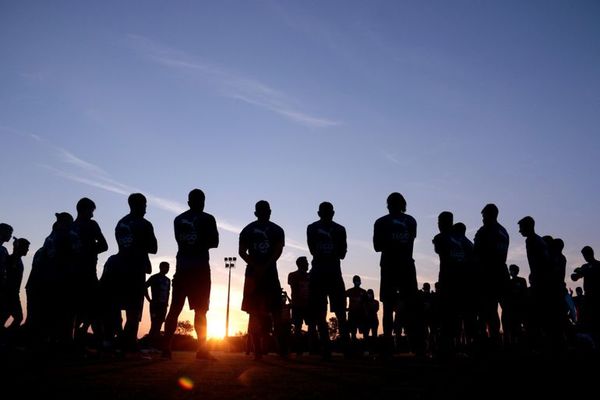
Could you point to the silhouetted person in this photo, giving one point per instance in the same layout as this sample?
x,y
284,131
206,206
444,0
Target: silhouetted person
x,y
135,237
579,300
394,235
260,246
430,320
327,244
160,288
590,272
468,303
57,292
299,282
371,325
196,233
11,306
514,307
113,294
546,300
88,241
6,232
490,252
452,276
357,299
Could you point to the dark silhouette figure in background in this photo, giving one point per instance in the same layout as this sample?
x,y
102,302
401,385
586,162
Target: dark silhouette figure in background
x,y
327,244
452,277
393,236
260,246
357,300
515,308
135,237
6,232
490,251
88,241
55,279
299,282
545,294
10,306
160,287
371,325
468,303
590,312
196,233
578,301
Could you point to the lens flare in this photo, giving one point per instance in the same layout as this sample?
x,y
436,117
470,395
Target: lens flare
x,y
185,383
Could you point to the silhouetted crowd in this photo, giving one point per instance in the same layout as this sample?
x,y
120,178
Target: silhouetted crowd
x,y
67,303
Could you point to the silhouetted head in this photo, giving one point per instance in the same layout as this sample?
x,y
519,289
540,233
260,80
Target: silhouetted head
x,y
459,229
164,267
445,221
137,204
302,263
396,203
370,294
326,211
579,291
489,214
436,286
63,221
6,232
20,247
548,240
558,245
588,254
262,210
527,226
513,270
426,287
85,208
356,280
196,200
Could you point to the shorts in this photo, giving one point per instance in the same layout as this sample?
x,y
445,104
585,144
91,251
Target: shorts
x,y
325,286
398,282
192,280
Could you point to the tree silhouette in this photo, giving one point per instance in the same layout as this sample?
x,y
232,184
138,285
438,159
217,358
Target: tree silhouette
x,y
184,328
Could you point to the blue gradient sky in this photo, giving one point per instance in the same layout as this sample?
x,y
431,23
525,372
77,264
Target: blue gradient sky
x,y
454,104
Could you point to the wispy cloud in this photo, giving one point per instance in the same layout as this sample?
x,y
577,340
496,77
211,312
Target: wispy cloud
x,y
230,84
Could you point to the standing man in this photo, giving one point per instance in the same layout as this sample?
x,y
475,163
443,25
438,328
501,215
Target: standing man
x,y
490,251
545,292
393,236
590,272
196,233
88,241
14,277
135,237
299,282
260,246
160,286
327,244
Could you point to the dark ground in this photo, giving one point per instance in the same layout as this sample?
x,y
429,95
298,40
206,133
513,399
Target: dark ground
x,y
237,376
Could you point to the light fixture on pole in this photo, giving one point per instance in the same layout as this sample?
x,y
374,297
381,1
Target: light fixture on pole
x,y
229,264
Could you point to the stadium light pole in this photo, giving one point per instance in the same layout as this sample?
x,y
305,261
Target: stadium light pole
x,y
229,264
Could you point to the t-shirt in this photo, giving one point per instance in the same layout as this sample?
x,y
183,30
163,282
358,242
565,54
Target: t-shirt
x,y
14,274
160,287
3,262
357,298
135,237
262,239
196,233
87,239
452,256
327,244
394,236
491,244
540,264
299,282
